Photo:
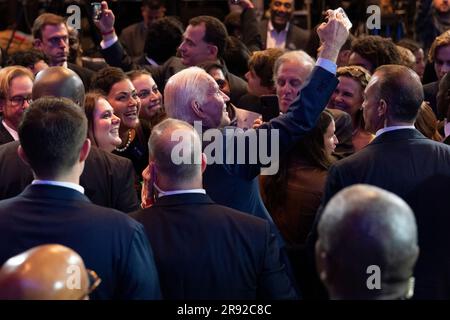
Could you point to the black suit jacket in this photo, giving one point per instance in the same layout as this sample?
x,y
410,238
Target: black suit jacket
x,y
418,170
110,243
430,91
84,74
296,38
108,179
207,251
5,136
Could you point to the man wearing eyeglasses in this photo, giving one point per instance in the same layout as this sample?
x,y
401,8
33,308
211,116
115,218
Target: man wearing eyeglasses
x,y
16,84
51,36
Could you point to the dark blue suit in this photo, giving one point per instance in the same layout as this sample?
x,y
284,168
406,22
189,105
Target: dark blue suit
x,y
418,170
207,251
108,179
110,243
236,185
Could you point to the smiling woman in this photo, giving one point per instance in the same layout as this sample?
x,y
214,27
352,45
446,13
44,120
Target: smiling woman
x,y
121,94
103,124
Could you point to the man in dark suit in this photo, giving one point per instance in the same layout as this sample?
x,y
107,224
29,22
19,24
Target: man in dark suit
x,y
53,209
356,264
193,95
279,31
204,40
108,179
16,83
51,36
401,160
204,250
133,37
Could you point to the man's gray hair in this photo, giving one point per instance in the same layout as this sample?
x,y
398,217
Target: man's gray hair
x,y
181,90
296,56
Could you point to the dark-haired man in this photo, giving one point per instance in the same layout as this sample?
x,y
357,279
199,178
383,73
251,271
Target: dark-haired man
x,y
54,209
403,161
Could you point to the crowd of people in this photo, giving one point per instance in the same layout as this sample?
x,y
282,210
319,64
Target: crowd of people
x,y
107,166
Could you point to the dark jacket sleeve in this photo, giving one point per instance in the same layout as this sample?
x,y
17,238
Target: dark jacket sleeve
x,y
140,280
250,31
274,282
116,56
289,127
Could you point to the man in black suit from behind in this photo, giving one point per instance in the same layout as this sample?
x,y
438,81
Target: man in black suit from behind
x,y
403,161
108,179
204,250
53,209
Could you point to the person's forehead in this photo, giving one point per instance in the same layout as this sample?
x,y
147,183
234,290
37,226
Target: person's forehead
x,y
217,73
283,1
443,52
122,85
295,69
20,82
50,29
197,31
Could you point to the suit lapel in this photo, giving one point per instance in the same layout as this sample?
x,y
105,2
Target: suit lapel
x,y
5,136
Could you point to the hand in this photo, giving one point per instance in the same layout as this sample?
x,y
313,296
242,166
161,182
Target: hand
x,y
106,22
148,192
258,122
246,4
333,35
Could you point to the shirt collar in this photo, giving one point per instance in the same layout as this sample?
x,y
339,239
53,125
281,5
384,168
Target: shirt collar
x,y
151,61
70,185
447,129
271,28
11,131
392,128
169,193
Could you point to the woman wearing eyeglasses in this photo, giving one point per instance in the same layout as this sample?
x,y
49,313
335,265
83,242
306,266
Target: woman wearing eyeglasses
x,y
122,95
16,83
348,97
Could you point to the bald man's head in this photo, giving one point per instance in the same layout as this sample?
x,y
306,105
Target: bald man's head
x,y
176,151
46,272
361,227
59,82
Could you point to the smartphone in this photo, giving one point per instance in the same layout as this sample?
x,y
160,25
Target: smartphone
x,y
269,107
96,10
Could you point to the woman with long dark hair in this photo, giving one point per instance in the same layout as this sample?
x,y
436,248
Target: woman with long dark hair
x,y
293,195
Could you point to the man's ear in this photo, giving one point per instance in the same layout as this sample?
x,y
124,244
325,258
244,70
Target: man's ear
x,y
85,150
197,109
204,162
382,108
213,50
37,43
22,155
2,104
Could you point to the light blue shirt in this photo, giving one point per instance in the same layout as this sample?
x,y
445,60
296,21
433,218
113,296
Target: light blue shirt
x,y
392,128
